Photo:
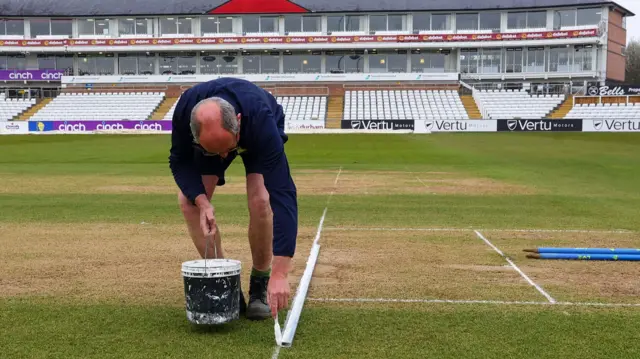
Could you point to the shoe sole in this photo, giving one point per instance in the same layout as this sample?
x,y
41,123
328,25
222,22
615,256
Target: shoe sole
x,y
258,313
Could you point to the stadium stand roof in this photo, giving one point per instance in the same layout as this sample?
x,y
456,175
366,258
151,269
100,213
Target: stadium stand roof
x,y
32,8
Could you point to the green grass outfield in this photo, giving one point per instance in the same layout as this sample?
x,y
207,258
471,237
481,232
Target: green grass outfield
x,y
560,181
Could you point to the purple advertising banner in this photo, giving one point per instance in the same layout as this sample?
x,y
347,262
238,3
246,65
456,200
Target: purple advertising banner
x,y
31,75
88,126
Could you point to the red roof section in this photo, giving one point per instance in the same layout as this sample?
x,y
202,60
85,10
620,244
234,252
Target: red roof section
x,y
258,7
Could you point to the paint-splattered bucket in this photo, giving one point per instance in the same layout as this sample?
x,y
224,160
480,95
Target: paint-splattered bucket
x,y
212,292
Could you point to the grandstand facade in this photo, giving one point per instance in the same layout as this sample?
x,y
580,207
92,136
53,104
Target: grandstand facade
x,y
337,53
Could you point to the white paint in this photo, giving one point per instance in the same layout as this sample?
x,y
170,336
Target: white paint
x,y
278,331
293,317
413,229
463,301
335,183
542,291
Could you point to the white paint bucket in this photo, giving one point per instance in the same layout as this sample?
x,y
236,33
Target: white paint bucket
x,y
212,291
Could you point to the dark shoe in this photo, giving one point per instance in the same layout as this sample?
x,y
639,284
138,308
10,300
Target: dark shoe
x,y
243,304
258,308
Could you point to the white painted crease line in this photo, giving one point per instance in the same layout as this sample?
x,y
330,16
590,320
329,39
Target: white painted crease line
x,y
484,230
526,277
335,183
464,301
293,316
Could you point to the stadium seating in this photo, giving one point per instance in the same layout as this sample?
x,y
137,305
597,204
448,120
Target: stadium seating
x,y
515,104
10,108
100,106
303,108
169,115
605,111
403,105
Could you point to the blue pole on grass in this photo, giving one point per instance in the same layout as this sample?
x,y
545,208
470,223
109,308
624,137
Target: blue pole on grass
x,y
586,257
634,251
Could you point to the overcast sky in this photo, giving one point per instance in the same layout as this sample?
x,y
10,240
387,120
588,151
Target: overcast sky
x,y
633,22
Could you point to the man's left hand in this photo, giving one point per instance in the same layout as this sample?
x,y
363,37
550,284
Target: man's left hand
x,y
278,290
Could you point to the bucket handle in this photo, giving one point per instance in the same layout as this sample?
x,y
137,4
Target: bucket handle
x,y
206,250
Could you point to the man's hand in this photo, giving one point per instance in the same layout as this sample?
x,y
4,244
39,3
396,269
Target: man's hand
x,y
278,291
207,216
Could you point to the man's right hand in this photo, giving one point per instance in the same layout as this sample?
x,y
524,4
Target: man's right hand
x,y
207,216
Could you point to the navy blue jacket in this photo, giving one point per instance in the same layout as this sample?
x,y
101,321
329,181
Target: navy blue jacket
x,y
262,136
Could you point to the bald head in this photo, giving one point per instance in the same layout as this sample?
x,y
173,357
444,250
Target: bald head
x,y
215,125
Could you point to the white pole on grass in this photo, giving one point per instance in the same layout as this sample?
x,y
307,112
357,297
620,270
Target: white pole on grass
x,y
293,317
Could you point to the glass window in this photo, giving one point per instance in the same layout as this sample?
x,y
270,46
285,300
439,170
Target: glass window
x,y
489,21
517,20
269,24
102,26
293,23
251,23
563,18
135,27
440,22
168,26
292,64
225,24
86,27
251,64
95,65
228,64
209,25
65,63
184,25
378,22
127,65
16,62
513,60
469,61
61,27
589,16
14,27
535,59
168,65
397,62
395,22
490,61
39,27
208,64
354,23
377,63
147,64
428,62
467,21
46,62
354,63
583,60
3,63
422,21
311,24
270,64
537,19
335,23
559,59
335,64
187,64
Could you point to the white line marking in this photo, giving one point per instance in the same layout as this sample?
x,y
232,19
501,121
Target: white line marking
x,y
293,316
419,180
337,178
484,230
462,301
550,298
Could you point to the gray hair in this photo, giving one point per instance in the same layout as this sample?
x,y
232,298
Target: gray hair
x,y
227,113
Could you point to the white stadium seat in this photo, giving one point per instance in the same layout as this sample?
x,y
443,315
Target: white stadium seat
x,y
100,106
403,105
10,108
605,111
515,104
303,108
